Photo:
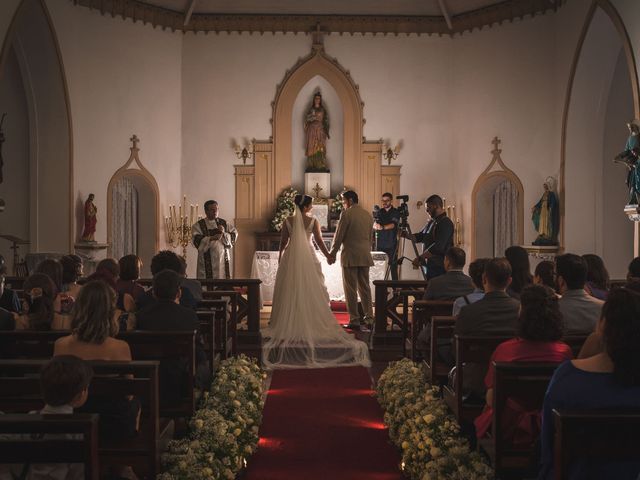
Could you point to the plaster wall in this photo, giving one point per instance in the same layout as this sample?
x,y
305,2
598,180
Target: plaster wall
x,y
15,189
123,79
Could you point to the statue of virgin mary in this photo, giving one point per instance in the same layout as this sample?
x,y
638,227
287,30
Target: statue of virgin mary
x,y
316,128
546,216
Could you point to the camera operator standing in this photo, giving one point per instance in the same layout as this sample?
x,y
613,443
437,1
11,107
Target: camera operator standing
x,y
386,226
437,237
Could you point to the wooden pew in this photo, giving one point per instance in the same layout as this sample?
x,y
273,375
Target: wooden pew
x,y
423,310
25,448
225,324
145,345
386,308
527,384
441,329
471,349
602,435
20,393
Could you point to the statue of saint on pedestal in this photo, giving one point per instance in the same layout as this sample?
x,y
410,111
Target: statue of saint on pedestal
x,y
546,216
316,128
90,220
629,158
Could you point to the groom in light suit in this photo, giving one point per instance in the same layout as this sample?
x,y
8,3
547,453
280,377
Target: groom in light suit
x,y
354,234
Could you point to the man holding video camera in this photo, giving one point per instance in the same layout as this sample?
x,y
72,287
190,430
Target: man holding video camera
x,y
386,219
436,236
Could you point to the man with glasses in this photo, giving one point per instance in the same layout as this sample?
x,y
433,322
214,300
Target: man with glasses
x,y
386,227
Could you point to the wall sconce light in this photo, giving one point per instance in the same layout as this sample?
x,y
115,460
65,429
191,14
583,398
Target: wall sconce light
x,y
391,154
245,152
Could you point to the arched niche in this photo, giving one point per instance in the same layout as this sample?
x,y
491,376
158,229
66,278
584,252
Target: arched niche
x,y
483,220
38,153
148,207
317,63
602,95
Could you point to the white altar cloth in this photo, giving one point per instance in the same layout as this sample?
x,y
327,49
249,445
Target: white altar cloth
x,y
265,267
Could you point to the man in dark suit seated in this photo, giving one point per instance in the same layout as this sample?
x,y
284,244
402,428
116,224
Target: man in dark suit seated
x,y
166,260
8,298
494,315
454,283
165,314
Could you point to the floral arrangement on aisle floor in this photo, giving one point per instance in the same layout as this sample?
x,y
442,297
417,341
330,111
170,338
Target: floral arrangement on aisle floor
x,y
223,433
421,426
285,206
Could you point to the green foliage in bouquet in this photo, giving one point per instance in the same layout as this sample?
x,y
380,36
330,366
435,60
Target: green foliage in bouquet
x,y
223,433
285,207
336,205
421,426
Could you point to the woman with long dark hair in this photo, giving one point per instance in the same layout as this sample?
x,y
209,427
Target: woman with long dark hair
x,y
609,379
597,277
520,270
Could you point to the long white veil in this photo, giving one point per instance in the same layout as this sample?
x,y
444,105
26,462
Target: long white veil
x,y
303,333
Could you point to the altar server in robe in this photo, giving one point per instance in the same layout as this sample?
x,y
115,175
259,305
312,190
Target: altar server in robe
x,y
214,238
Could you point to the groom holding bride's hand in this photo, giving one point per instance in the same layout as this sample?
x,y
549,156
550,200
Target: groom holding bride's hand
x,y
354,235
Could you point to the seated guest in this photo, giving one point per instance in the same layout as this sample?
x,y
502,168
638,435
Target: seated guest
x,y
127,283
520,270
71,272
93,338
8,298
454,283
107,271
39,309
545,274
608,380
191,284
633,273
598,282
496,313
166,314
476,269
594,344
538,340
7,320
166,260
64,382
53,269
580,311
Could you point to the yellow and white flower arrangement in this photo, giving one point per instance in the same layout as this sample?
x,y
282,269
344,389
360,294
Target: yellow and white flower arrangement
x,y
421,426
223,432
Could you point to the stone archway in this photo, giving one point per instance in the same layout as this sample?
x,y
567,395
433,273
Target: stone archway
x,y
481,200
147,193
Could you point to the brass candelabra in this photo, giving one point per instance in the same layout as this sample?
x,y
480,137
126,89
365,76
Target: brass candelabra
x,y
178,225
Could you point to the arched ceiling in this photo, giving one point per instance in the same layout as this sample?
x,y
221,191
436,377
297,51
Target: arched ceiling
x,y
442,17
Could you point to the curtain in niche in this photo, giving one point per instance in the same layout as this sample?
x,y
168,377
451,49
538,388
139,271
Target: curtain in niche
x,y
124,218
505,203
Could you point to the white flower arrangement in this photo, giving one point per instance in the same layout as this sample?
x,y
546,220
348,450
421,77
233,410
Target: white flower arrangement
x,y
421,426
223,432
285,206
336,205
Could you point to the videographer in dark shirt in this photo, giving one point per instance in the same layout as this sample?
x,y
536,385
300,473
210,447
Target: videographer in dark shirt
x,y
386,226
436,236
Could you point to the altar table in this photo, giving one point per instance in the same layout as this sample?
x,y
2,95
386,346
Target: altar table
x,y
265,267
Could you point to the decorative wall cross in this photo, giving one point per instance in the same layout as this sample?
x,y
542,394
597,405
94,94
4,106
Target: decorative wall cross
x,y
496,142
135,141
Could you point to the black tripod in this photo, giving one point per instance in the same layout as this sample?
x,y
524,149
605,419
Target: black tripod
x,y
404,227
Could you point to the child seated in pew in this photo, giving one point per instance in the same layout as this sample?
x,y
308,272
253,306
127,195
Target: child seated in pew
x,y
65,383
538,340
94,329
608,380
166,314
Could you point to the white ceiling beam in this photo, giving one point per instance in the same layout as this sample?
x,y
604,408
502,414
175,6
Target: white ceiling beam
x,y
445,13
189,12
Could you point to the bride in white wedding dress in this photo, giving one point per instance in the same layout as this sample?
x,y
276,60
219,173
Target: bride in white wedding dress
x,y
303,333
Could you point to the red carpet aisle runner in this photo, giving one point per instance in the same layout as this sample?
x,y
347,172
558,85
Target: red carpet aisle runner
x,y
323,424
